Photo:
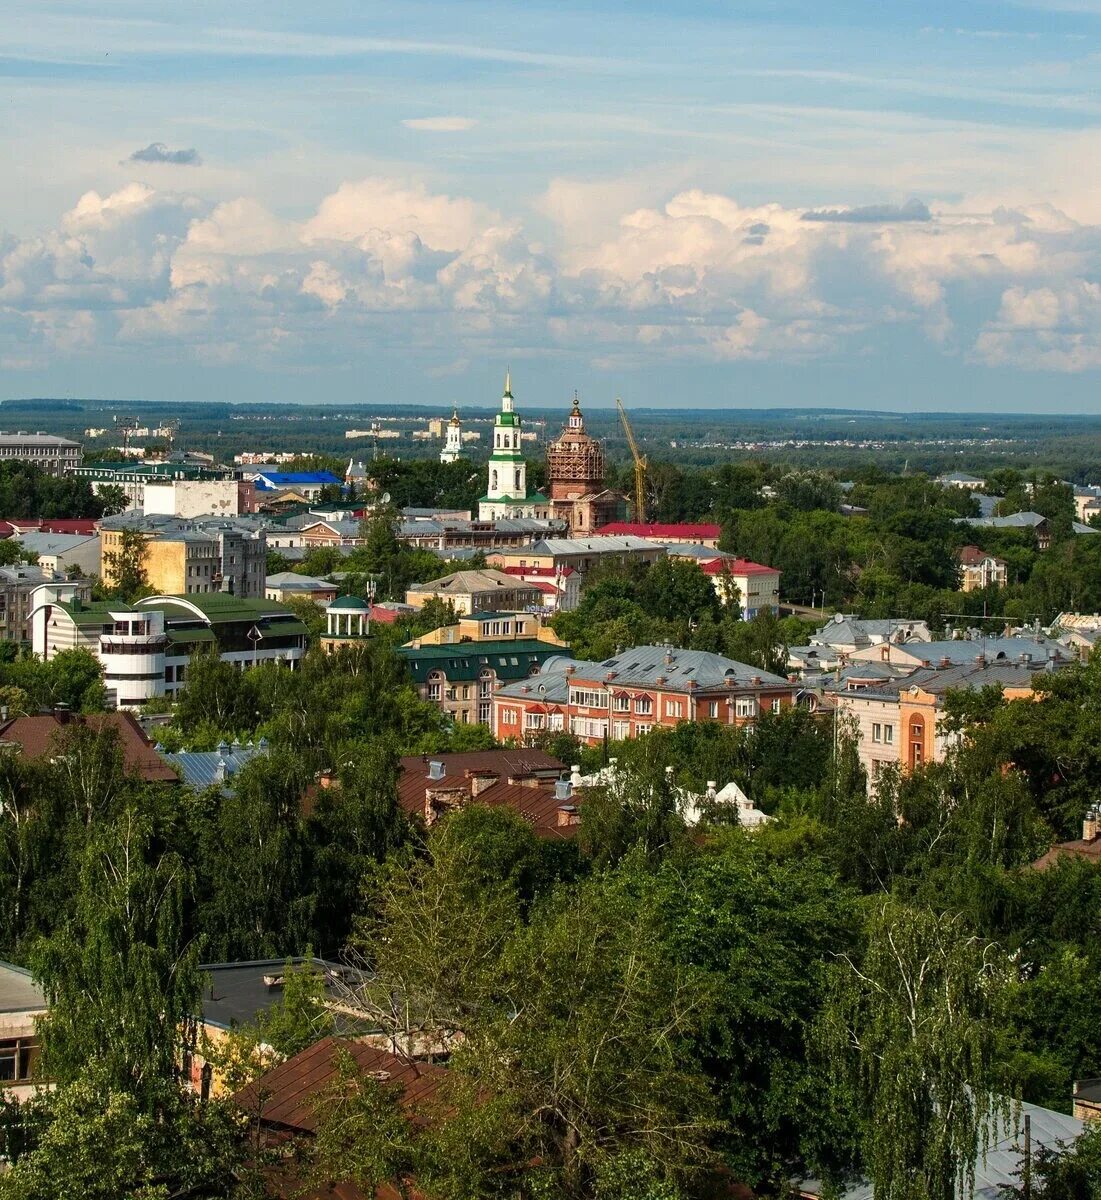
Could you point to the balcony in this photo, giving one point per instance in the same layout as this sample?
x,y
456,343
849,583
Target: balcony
x,y
137,643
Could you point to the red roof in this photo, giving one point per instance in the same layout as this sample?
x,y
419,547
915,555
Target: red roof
x,y
386,615
286,1100
85,525
736,566
38,737
659,531
972,556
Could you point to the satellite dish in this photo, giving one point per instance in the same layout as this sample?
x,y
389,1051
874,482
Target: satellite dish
x,y
385,497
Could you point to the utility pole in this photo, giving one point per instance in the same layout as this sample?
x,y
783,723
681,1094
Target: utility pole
x,y
1026,1175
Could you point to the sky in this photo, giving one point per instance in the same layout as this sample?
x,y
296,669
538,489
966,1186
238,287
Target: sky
x,y
701,204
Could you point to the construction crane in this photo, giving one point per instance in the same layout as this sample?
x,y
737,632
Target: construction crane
x,y
640,464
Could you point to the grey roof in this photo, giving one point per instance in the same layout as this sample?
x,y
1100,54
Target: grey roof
x,y
550,683
437,525
598,544
959,477
291,581
642,666
43,440
18,991
54,543
694,550
966,650
987,504
965,676
464,582
1020,520
211,768
856,631
29,574
236,993
1001,1165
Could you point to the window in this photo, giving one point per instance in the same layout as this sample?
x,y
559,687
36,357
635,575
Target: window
x,y
877,732
621,702
745,706
484,713
587,728
889,734
584,698
713,710
621,730
15,1059
777,704
674,708
644,706
642,728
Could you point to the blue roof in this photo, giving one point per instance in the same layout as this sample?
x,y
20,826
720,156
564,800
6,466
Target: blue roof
x,y
209,768
282,479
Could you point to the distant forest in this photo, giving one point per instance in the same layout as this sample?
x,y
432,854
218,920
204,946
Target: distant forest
x,y
913,442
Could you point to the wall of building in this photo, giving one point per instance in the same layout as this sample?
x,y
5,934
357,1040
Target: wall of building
x,y
193,497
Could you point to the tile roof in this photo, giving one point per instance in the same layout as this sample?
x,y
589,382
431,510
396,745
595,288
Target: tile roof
x,y
1078,848
972,556
37,737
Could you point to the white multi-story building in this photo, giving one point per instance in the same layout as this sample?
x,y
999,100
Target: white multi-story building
x,y
192,497
145,648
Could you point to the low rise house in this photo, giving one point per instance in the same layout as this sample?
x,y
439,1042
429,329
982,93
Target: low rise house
x,y
477,591
561,590
579,554
21,590
979,569
956,652
445,534
39,736
1032,522
1087,847
200,769
626,696
960,479
285,585
22,1003
845,634
531,783
308,484
462,678
898,721
63,553
753,586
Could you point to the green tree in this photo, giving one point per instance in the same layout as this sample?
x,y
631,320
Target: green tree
x,y
119,975
912,1031
125,567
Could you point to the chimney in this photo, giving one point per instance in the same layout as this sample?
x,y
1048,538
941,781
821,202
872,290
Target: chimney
x,y
1089,826
756,681
669,659
568,815
220,770
563,789
980,660
435,769
61,712
712,789
1050,664
945,663
480,781
575,775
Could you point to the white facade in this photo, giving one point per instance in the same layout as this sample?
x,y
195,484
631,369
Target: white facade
x,y
192,497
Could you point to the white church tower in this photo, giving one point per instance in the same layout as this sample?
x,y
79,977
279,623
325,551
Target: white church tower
x,y
507,486
453,443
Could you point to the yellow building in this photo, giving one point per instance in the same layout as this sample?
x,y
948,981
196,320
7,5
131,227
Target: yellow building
x,y
182,558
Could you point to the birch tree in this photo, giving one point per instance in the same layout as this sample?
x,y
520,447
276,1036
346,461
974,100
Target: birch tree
x,y
911,1030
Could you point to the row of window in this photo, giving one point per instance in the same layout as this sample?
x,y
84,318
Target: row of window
x,y
883,733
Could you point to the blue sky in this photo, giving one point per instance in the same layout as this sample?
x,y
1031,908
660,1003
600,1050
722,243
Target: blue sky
x,y
884,205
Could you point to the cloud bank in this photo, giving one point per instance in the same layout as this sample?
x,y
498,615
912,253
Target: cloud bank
x,y
384,265
440,124
158,152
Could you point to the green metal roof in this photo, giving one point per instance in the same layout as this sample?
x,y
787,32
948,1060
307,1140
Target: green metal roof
x,y
199,634
95,612
505,418
348,604
462,662
221,608
530,498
